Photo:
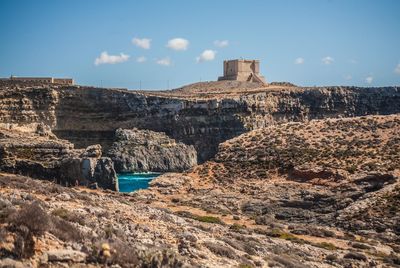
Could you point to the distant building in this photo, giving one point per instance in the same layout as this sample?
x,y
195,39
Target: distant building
x,y
48,80
242,70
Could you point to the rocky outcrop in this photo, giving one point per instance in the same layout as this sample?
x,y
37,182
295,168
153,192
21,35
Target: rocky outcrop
x,y
65,255
330,178
333,149
46,157
145,150
97,229
204,119
105,175
317,171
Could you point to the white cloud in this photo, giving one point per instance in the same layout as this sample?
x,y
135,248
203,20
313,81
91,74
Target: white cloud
x,y
110,59
369,79
178,44
221,43
144,43
164,61
397,69
206,55
299,60
327,60
141,59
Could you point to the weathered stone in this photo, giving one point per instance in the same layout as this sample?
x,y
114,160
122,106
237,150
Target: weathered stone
x,y
10,263
92,151
65,255
49,158
202,115
105,175
144,150
242,70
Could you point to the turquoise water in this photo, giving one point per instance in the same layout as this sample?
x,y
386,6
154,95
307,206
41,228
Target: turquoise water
x,y
129,182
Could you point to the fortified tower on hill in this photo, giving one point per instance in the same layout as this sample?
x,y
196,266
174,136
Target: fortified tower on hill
x,y
242,70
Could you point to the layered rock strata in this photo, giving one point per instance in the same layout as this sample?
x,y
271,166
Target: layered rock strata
x,y
145,150
295,204
203,117
46,157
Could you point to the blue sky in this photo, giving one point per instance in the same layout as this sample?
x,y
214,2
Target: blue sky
x,y
310,42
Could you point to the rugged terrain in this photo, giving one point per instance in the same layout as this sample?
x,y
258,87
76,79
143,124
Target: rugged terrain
x,y
335,178
202,115
290,176
324,193
41,155
145,150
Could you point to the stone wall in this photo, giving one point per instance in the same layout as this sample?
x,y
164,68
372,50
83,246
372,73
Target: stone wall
x,y
242,70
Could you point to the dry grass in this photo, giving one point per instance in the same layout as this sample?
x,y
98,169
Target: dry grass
x,y
333,148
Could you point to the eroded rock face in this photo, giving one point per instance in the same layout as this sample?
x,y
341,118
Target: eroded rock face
x,y
104,174
145,150
46,157
324,193
204,117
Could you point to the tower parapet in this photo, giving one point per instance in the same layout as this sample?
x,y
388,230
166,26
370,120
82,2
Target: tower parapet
x,y
242,70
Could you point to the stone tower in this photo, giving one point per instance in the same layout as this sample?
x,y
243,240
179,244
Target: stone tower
x,y
242,70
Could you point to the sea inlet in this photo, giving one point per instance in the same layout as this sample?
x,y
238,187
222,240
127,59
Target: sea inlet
x,y
130,182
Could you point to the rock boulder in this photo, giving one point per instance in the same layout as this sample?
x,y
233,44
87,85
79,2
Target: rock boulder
x,y
145,150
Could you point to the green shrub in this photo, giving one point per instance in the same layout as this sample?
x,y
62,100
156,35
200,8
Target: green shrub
x,y
68,215
245,265
60,212
237,227
208,219
283,235
326,245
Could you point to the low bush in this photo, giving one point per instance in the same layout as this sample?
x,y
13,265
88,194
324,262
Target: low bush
x,y
360,246
220,250
355,256
331,258
30,220
286,261
69,215
237,227
31,216
65,230
208,219
326,245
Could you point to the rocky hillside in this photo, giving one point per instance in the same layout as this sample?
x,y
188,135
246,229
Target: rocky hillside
x,y
333,183
202,117
42,155
145,150
304,210
331,149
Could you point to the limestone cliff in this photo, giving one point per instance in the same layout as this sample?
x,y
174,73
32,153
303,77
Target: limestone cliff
x,y
145,150
46,157
202,118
